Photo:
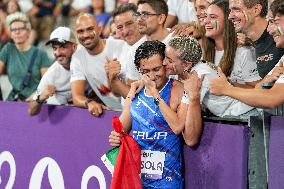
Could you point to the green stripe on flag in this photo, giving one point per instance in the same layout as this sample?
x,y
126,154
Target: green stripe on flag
x,y
109,159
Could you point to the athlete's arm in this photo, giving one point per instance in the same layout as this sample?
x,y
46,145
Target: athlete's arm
x,y
174,115
193,121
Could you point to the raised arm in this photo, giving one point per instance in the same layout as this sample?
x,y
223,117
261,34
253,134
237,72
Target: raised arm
x,y
118,87
193,122
125,118
173,114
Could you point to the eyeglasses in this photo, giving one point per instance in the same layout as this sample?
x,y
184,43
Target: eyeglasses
x,y
144,15
14,30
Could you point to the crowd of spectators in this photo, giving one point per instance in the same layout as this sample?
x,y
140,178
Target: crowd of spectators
x,y
235,35
169,61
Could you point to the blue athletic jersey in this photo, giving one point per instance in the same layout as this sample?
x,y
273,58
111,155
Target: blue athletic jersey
x,y
161,154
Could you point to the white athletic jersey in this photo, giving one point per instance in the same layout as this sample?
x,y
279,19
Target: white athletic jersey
x,y
58,76
183,9
218,105
92,68
244,69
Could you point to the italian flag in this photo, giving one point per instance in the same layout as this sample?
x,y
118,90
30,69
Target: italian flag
x,y
124,162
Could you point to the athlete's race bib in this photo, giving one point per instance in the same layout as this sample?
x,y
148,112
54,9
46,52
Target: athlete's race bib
x,y
152,164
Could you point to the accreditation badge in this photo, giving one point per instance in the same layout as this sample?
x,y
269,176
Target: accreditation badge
x,y
152,164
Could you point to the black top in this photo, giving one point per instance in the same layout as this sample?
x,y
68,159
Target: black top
x,y
267,55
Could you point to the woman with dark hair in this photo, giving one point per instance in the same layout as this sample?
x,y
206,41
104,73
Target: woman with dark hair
x,y
98,9
221,48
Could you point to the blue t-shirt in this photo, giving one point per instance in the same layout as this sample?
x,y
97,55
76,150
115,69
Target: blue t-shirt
x,y
161,147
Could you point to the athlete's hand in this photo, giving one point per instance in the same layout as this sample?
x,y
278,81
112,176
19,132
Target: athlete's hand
x,y
193,85
150,86
114,139
135,88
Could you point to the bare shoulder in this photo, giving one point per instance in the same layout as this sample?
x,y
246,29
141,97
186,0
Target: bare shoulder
x,y
176,94
177,87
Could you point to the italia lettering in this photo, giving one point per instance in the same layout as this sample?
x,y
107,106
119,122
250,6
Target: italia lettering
x,y
147,135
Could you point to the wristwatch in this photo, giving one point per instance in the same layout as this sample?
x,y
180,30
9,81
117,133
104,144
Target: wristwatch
x,y
39,101
36,98
157,100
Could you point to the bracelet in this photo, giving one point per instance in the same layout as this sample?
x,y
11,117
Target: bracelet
x,y
87,102
185,98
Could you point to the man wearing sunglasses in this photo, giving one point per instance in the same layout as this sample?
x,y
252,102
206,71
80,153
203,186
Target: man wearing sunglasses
x,y
55,87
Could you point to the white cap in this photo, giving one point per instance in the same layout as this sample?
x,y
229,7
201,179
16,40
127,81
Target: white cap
x,y
62,35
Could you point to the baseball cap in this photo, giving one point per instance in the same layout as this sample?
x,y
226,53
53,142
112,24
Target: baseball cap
x,y
62,35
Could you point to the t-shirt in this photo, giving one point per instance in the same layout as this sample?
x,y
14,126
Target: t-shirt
x,y
218,105
267,54
244,69
183,9
218,57
281,77
103,18
58,76
92,68
17,63
132,72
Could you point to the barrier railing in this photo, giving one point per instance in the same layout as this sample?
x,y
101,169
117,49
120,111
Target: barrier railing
x,y
61,148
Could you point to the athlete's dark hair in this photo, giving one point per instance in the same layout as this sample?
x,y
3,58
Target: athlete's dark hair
x,y
149,49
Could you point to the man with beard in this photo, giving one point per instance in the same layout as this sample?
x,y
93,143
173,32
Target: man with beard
x,y
118,71
249,17
88,66
55,84
151,16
